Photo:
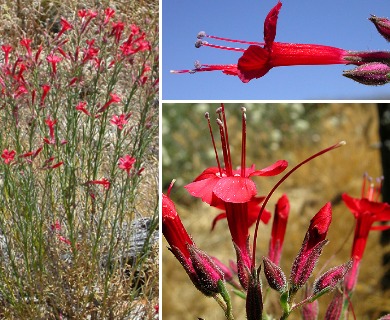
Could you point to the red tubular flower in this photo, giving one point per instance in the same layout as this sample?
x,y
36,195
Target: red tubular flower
x,y
126,163
311,249
104,182
25,42
8,156
234,189
6,49
81,107
113,99
65,26
119,121
53,60
260,57
108,14
117,30
366,211
45,89
253,212
282,210
51,123
202,270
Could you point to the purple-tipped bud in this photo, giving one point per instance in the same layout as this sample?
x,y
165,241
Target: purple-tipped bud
x,y
201,35
382,25
311,248
386,317
198,43
304,265
207,271
254,298
331,278
335,307
372,74
275,276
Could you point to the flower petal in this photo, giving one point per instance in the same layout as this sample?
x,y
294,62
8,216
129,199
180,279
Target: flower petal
x,y
270,25
272,170
235,189
254,63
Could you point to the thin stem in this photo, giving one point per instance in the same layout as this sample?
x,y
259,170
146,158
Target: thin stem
x,y
277,186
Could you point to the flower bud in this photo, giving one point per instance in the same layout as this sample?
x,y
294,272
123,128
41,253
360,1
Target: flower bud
x,y
373,74
331,278
311,249
254,297
382,25
335,307
207,271
275,276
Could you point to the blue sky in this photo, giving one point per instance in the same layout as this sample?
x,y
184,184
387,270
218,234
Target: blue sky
x,y
338,23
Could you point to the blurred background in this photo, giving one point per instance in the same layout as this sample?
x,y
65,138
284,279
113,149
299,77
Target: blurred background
x,y
342,24
292,132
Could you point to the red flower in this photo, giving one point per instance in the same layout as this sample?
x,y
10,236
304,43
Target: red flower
x,y
366,211
53,60
260,57
45,88
117,30
51,123
113,99
81,107
6,49
108,14
25,42
126,163
65,26
201,268
234,189
8,156
253,212
104,182
119,121
279,225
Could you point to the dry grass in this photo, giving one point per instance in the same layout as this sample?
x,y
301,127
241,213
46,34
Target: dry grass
x,y
318,182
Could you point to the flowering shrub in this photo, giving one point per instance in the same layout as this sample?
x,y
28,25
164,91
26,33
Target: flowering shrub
x,y
373,67
235,190
78,169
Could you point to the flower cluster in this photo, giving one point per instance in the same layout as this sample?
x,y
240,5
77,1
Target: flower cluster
x,y
233,191
260,57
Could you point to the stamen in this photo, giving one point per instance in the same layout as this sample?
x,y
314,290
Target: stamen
x,y
365,175
207,116
227,138
337,145
203,34
243,142
206,44
379,188
224,148
170,187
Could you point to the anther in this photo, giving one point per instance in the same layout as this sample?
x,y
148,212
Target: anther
x,y
201,35
199,43
197,64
